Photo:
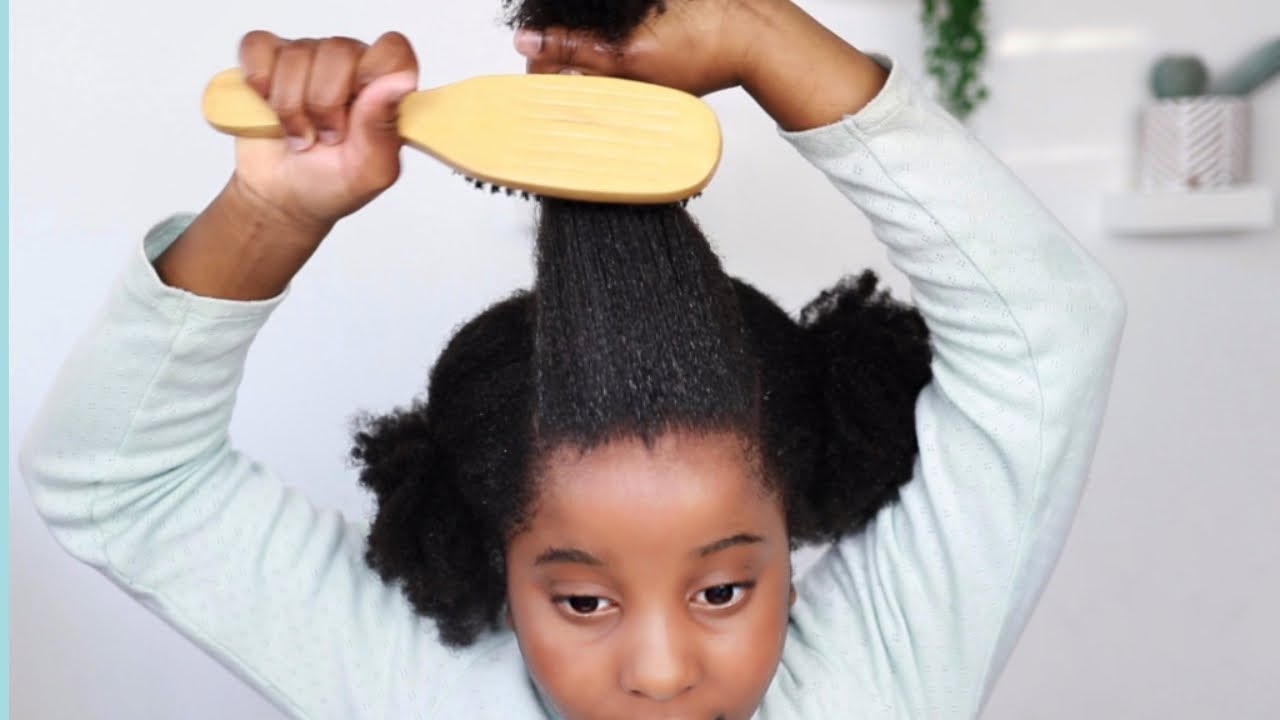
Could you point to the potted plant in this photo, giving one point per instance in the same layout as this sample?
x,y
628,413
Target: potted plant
x,y
955,46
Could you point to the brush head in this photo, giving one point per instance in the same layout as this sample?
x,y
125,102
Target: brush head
x,y
576,137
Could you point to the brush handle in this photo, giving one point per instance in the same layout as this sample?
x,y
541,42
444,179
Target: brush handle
x,y
1251,73
233,107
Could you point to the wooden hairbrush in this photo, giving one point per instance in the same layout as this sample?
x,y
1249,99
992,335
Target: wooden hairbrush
x,y
577,137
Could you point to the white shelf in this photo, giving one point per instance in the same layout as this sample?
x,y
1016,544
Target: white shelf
x,y
1226,210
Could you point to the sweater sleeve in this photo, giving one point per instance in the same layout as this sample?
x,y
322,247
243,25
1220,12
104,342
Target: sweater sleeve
x,y
915,616
130,465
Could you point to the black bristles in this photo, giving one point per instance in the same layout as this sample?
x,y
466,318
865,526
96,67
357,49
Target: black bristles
x,y
494,189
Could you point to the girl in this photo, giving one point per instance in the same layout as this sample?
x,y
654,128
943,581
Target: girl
x,y
591,524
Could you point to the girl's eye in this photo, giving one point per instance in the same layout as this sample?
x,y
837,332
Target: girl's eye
x,y
723,596
584,605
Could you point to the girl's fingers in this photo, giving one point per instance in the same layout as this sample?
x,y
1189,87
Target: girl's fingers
x,y
331,88
556,49
311,84
258,59
535,68
289,92
390,53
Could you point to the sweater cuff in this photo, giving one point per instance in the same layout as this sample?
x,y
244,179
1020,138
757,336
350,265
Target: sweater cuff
x,y
142,280
877,116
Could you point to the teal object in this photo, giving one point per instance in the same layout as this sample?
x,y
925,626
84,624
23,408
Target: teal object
x,y
1251,73
1179,76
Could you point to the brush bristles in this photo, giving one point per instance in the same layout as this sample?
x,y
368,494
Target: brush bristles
x,y
495,189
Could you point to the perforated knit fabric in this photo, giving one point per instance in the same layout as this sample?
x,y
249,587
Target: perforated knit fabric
x,y
130,464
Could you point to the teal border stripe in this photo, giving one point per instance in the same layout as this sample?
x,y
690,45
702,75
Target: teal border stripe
x,y
4,518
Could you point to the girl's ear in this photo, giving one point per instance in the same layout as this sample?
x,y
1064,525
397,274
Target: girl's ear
x,y
511,623
793,595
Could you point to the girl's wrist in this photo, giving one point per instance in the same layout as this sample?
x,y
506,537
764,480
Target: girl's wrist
x,y
238,250
801,73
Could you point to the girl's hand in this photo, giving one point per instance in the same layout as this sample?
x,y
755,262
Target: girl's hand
x,y
337,99
800,72
699,46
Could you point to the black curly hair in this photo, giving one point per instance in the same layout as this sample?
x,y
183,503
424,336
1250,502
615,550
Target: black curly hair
x,y
626,295
454,472
610,19
631,330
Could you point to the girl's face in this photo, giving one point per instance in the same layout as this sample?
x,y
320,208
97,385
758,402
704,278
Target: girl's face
x,y
652,582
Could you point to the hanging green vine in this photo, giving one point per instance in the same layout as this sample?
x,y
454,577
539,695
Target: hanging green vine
x,y
954,50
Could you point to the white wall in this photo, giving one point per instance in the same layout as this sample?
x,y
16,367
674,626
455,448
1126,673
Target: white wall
x,y
1163,604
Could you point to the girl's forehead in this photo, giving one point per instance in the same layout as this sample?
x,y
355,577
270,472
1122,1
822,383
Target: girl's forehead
x,y
675,468
677,494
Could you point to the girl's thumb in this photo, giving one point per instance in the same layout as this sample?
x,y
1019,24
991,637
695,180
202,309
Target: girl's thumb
x,y
374,113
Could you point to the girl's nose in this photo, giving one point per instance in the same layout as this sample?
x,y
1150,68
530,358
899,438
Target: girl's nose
x,y
661,664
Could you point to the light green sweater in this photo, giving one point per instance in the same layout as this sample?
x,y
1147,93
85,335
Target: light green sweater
x,y
131,465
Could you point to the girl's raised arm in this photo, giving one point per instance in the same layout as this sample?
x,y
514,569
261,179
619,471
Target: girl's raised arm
x,y
129,460
922,609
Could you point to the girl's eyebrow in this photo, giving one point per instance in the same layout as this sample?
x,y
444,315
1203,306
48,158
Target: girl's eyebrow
x,y
726,543
582,557
567,555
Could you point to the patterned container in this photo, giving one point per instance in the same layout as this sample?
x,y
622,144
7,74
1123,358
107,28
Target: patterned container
x,y
1193,143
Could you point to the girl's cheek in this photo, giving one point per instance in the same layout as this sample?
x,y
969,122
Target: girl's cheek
x,y
571,673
